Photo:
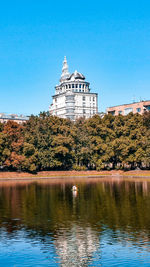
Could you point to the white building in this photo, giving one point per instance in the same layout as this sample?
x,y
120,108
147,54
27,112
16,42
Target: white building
x,y
4,118
72,97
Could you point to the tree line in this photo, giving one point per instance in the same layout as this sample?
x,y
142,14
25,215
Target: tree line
x,y
50,143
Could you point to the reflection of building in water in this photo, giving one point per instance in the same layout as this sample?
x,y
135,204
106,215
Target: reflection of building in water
x,y
76,246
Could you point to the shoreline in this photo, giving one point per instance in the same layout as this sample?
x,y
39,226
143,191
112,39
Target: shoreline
x,y
48,175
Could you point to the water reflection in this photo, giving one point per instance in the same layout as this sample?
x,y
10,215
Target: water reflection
x,y
76,246
76,228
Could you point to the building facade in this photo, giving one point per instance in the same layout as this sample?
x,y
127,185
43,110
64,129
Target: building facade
x,y
137,107
73,98
13,117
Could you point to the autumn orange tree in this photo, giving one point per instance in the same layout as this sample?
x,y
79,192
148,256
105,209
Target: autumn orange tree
x,y
47,142
13,142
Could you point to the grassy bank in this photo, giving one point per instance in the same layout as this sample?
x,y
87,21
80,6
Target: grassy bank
x,y
53,174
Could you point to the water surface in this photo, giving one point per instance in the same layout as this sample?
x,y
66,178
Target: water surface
x,y
106,223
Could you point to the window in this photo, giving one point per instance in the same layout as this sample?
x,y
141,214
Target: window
x,y
83,98
76,85
120,112
69,110
69,97
72,85
138,109
84,111
69,85
147,107
111,112
93,98
66,86
127,111
79,85
70,117
83,86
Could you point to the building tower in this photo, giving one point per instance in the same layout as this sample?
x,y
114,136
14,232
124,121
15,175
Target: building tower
x,y
72,97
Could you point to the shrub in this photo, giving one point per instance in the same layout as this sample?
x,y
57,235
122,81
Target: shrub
x,y
100,165
79,168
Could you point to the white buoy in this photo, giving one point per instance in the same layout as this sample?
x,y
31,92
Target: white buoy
x,y
74,188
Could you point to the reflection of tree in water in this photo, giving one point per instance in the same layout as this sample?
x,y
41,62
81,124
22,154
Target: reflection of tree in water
x,y
50,212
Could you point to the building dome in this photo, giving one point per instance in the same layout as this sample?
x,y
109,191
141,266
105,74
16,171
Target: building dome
x,y
73,98
76,76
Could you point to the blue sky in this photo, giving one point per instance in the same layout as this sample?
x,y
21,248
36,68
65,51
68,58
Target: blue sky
x,y
108,41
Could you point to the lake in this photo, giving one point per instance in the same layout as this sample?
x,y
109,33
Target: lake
x,y
105,223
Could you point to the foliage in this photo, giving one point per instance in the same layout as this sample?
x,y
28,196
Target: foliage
x,y
79,168
47,142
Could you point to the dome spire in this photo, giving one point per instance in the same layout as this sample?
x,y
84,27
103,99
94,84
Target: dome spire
x,y
65,71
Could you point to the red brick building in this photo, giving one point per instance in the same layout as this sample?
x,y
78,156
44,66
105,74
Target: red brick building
x,y
136,107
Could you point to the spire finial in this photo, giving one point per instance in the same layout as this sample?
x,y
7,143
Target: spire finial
x,y
65,71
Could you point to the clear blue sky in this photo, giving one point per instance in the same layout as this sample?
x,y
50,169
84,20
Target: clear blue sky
x,y
108,41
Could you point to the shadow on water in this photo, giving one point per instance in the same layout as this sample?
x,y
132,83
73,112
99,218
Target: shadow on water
x,y
78,225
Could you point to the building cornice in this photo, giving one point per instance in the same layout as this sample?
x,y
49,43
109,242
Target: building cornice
x,y
73,93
